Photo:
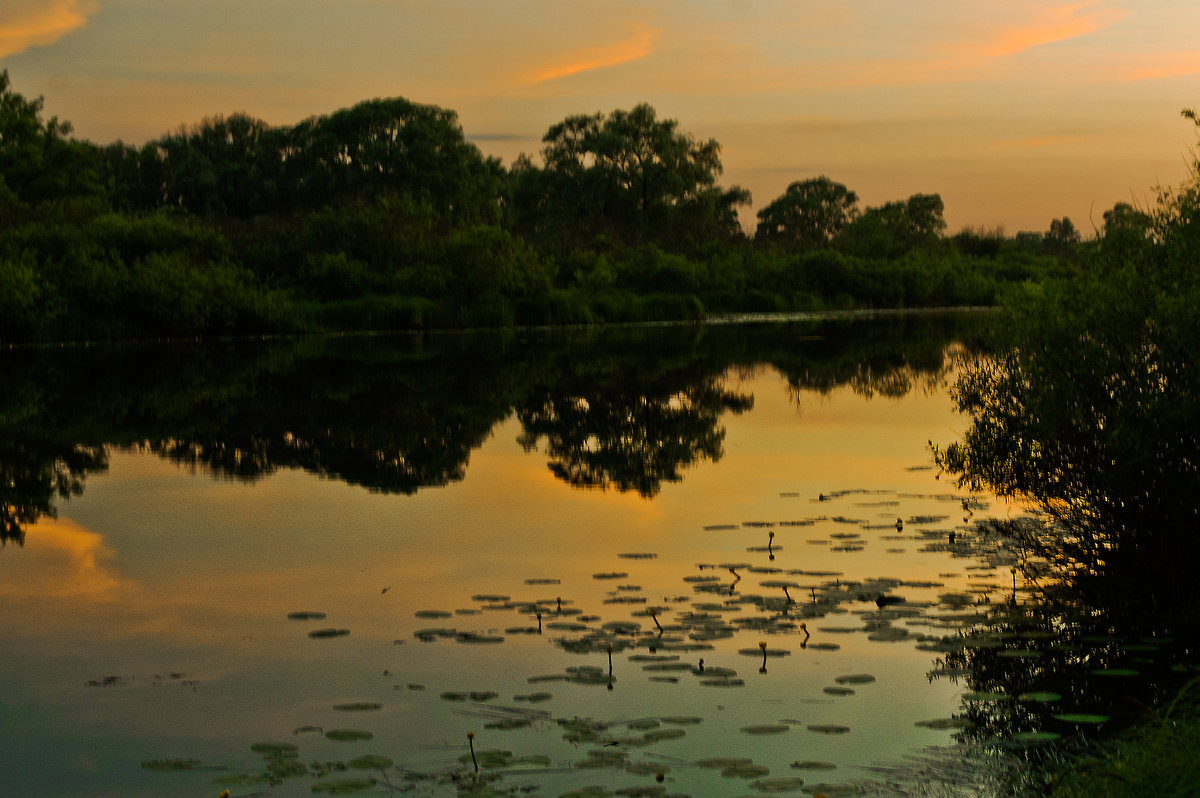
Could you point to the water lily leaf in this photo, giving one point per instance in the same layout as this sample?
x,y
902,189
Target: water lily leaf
x,y
944,723
780,784
770,652
170,764
490,758
828,728
471,637
358,706
839,690
306,616
722,762
767,728
855,678
611,575
433,614
832,790
487,598
1082,718
533,698
370,762
348,735
323,633
745,771
809,764
1036,736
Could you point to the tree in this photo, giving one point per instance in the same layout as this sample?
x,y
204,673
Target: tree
x,y
808,214
629,175
38,160
1089,410
894,228
393,146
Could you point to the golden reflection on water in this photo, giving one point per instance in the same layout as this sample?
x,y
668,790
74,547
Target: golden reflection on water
x,y
154,570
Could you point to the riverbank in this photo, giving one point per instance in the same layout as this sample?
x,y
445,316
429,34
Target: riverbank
x,y
1157,758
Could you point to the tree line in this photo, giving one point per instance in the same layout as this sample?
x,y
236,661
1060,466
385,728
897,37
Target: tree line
x,y
384,216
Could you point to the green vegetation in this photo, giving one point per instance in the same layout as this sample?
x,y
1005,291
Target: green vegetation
x,y
383,216
1155,759
1088,412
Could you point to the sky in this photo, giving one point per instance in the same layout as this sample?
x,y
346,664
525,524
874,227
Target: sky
x,y
1015,112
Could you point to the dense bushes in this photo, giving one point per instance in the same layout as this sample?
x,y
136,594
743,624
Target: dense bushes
x,y
382,215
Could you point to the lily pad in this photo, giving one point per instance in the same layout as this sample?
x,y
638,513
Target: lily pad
x,y
809,764
780,784
1082,718
324,633
306,616
370,762
767,728
745,771
855,678
1036,736
348,735
721,762
358,706
433,614
828,728
171,764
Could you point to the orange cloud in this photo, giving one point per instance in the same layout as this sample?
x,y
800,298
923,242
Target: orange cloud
x,y
1168,65
633,48
61,559
35,23
1048,25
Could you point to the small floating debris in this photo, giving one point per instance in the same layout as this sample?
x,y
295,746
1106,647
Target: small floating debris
x,y
767,728
828,728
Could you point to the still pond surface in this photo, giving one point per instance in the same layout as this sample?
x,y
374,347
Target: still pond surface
x,y
707,561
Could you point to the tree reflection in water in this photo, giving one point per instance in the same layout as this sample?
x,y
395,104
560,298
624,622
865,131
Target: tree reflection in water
x,y
626,408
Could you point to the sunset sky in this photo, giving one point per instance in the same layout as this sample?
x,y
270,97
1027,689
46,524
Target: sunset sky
x,y
1016,112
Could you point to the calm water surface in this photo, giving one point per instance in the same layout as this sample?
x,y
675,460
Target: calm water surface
x,y
399,487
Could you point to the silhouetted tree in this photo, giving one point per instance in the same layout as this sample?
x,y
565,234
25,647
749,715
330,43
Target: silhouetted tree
x,y
628,175
808,214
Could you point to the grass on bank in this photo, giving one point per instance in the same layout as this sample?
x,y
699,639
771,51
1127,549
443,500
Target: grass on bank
x,y
1160,758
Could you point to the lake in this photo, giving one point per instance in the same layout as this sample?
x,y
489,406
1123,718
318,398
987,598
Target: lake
x,y
707,561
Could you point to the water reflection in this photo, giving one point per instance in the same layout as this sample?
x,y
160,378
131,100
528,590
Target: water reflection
x,y
624,408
